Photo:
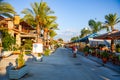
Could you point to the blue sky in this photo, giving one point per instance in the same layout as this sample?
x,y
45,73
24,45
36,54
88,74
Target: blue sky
x,y
73,15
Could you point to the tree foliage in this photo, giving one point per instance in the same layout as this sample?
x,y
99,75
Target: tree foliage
x,y
27,44
74,38
6,9
40,16
7,40
60,39
85,32
95,26
111,20
37,16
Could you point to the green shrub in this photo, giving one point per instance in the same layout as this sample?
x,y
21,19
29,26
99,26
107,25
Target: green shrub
x,y
27,52
39,54
105,54
7,40
27,44
47,52
86,49
20,62
118,47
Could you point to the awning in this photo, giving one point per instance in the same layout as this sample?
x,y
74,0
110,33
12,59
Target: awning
x,y
114,35
86,39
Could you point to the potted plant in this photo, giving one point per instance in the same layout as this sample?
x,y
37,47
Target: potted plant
x,y
98,54
105,56
47,52
86,50
118,48
114,59
93,52
39,58
20,69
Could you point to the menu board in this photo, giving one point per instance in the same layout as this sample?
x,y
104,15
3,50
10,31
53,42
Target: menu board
x,y
37,48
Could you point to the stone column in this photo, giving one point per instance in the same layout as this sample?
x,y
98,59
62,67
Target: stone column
x,y
18,39
10,27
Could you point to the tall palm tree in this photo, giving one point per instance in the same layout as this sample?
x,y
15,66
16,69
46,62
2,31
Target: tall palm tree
x,y
50,25
95,26
49,29
37,15
52,34
85,32
6,9
111,21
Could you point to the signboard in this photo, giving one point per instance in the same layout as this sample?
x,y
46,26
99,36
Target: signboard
x,y
37,48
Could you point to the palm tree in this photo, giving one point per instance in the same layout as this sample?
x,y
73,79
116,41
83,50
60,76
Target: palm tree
x,y
74,38
52,34
6,9
111,21
85,32
95,26
49,30
50,25
37,16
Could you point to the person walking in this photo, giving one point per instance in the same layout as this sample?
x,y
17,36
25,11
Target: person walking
x,y
74,51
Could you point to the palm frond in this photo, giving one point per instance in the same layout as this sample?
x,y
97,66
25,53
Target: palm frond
x,y
52,33
35,8
6,9
112,20
7,15
27,11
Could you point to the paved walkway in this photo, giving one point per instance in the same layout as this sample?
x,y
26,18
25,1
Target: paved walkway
x,y
62,66
98,60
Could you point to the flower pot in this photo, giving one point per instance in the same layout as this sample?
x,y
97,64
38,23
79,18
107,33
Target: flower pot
x,y
98,55
104,60
86,53
16,74
39,58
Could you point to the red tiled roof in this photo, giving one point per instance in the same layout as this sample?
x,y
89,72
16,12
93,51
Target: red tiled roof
x,y
26,25
110,35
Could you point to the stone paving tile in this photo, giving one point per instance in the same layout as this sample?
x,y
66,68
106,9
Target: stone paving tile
x,y
98,60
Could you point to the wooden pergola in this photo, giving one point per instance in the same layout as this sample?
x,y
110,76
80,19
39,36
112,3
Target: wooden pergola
x,y
109,36
113,35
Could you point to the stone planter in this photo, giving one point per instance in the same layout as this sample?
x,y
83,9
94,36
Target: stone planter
x,y
16,74
104,60
39,58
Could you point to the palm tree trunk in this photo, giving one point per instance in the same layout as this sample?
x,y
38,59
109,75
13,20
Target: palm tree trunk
x,y
45,36
112,28
38,33
112,46
51,44
112,41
